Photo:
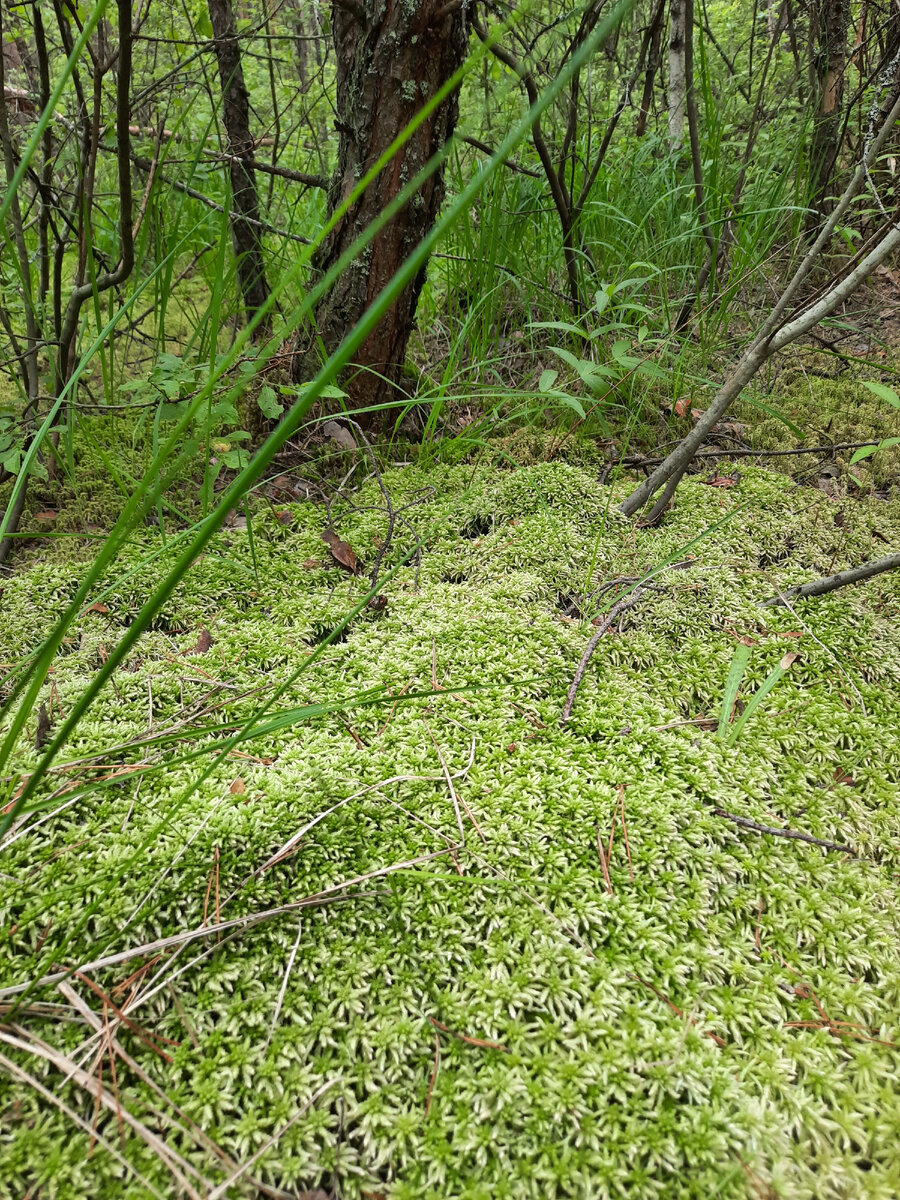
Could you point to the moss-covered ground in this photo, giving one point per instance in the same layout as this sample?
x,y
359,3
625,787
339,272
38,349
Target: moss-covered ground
x,y
721,1017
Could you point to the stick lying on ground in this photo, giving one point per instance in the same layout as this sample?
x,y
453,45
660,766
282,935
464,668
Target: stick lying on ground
x,y
830,583
619,607
746,823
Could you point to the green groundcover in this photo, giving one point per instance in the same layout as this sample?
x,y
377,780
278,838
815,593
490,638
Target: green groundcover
x,y
588,980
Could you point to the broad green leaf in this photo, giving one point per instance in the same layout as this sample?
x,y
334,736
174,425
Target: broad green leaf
x,y
868,451
883,392
569,402
269,404
547,380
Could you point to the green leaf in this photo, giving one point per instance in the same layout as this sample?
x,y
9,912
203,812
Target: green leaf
x,y
226,412
883,392
170,412
200,20
758,696
620,353
868,451
569,402
12,460
559,326
736,673
269,404
237,460
547,380
590,373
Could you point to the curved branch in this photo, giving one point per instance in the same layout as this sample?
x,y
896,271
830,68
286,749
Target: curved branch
x,y
775,333
557,191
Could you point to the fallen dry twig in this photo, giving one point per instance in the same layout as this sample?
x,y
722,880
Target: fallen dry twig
x,y
830,583
619,607
746,823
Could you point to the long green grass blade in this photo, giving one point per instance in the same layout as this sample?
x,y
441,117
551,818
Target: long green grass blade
x,y
739,662
758,696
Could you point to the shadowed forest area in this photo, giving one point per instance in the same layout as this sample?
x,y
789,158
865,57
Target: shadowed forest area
x,y
449,607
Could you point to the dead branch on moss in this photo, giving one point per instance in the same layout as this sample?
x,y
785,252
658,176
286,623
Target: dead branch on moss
x,y
779,330
830,583
774,831
619,607
638,460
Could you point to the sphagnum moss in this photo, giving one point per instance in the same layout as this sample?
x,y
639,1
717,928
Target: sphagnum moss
x,y
721,1017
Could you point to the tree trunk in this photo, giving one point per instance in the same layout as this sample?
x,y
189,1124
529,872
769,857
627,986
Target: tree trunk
x,y
677,108
245,234
390,59
652,68
832,25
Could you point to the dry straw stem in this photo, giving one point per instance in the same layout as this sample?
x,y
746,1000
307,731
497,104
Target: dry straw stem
x,y
17,1072
329,895
178,1167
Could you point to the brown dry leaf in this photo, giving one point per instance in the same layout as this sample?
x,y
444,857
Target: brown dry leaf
x,y
312,564
204,641
721,481
46,517
339,434
43,728
343,555
734,428
97,608
238,787
682,406
840,776
285,517
789,658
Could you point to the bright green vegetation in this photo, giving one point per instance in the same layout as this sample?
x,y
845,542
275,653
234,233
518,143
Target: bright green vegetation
x,y
603,1088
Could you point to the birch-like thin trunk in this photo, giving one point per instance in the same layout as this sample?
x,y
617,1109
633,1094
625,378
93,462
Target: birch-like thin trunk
x,y
677,95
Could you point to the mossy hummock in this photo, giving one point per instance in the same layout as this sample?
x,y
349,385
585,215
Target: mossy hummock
x,y
704,1011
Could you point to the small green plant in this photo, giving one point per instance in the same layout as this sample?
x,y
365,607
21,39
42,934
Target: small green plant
x,y
739,662
884,393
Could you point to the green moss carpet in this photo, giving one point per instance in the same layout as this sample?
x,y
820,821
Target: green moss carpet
x,y
699,1009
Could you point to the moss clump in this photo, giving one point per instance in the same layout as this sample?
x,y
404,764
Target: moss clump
x,y
831,412
667,1034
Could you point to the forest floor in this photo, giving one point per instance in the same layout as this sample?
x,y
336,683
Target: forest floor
x,y
458,948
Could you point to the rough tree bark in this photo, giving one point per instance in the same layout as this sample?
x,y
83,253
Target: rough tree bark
x,y
245,234
391,57
833,21
656,27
